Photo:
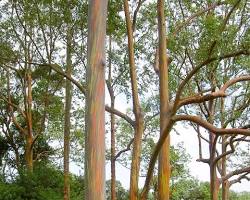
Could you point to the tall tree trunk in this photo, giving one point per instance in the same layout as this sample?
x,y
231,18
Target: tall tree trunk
x,y
135,166
225,190
112,124
164,156
29,153
214,183
67,123
225,184
29,136
95,101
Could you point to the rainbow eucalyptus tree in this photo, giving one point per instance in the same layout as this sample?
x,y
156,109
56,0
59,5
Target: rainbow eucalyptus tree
x,y
95,123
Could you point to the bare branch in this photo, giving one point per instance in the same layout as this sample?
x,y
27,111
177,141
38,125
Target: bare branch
x,y
136,12
199,98
238,180
128,148
191,18
210,127
236,172
120,114
198,67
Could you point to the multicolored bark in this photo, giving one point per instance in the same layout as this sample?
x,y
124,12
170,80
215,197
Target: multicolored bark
x,y
164,156
95,105
139,122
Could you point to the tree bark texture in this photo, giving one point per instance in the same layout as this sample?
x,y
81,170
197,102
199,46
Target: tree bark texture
x,y
95,101
113,177
112,124
214,181
139,123
67,123
164,156
29,136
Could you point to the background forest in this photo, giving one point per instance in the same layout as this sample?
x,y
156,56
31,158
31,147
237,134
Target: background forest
x,y
172,67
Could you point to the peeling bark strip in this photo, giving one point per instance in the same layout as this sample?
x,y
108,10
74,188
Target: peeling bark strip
x,y
95,123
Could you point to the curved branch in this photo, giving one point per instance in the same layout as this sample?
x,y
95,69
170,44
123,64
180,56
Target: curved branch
x,y
57,69
136,12
236,172
210,127
198,67
120,114
232,150
238,180
128,148
191,18
198,98
14,105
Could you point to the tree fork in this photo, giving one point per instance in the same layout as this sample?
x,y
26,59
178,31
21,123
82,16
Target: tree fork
x,y
139,122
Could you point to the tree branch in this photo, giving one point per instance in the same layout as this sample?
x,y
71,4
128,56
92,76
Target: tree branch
x,y
191,18
198,67
128,148
120,114
199,98
235,172
210,127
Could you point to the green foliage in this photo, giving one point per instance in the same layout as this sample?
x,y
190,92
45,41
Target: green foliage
x,y
114,19
122,194
239,196
46,183
178,160
190,189
11,191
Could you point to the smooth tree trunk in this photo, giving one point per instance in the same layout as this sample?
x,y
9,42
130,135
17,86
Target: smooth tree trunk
x,y
139,122
29,136
67,123
95,102
113,176
225,184
214,181
29,153
112,124
164,156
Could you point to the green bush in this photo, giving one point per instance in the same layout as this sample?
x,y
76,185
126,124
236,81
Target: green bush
x,y
45,183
